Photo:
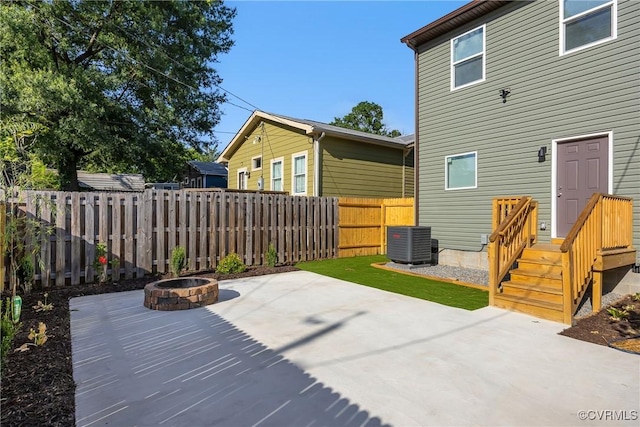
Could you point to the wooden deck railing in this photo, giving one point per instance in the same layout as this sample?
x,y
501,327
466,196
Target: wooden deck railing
x,y
604,224
513,234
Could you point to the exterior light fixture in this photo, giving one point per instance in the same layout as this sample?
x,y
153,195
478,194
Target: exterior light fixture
x,y
542,154
504,93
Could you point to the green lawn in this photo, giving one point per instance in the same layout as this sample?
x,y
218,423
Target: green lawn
x,y
359,270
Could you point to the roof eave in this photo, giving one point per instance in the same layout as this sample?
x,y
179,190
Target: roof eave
x,y
248,127
461,16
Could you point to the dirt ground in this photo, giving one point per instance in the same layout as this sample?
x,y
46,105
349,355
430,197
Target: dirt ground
x,y
37,385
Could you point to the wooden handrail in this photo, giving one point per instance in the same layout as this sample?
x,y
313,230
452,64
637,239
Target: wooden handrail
x,y
522,204
591,204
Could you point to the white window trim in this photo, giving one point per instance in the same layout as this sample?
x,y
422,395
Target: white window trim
x,y
253,163
484,59
293,171
446,171
554,167
246,178
613,4
281,160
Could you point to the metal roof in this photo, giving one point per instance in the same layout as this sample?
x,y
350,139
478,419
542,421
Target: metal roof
x,y
463,15
110,182
209,168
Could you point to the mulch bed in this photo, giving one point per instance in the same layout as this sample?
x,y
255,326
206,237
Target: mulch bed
x,y
602,329
37,385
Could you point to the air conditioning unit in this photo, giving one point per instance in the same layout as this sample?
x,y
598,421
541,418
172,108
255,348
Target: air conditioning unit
x,y
409,245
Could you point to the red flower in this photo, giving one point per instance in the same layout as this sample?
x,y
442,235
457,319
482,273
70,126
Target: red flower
x,y
102,260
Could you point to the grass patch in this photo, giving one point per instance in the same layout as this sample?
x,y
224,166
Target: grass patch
x,y
359,270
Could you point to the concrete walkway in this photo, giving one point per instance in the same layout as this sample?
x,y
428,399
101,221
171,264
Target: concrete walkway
x,y
299,349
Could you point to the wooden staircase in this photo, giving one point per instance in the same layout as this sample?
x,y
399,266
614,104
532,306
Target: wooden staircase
x,y
535,286
549,280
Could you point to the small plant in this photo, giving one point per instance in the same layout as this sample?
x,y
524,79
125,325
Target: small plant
x,y
636,296
231,264
629,307
272,256
43,306
100,264
7,327
26,273
39,337
178,260
617,314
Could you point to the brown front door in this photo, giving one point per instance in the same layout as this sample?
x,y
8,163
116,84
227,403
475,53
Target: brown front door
x,y
583,169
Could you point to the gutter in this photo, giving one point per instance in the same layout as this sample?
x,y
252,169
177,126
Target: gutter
x,y
416,162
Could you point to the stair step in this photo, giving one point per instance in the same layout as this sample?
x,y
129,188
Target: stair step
x,y
539,276
543,251
532,293
536,265
542,309
557,240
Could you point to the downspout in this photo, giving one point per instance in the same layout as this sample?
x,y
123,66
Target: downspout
x,y
416,162
405,152
316,164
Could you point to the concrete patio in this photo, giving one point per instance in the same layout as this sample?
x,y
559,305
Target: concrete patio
x,y
300,349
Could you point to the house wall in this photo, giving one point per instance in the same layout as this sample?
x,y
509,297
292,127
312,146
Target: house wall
x,y
552,97
356,169
276,141
215,181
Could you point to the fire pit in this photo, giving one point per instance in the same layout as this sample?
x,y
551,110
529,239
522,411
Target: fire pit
x,y
180,294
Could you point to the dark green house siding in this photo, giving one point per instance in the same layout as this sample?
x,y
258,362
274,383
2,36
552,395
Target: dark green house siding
x,y
553,96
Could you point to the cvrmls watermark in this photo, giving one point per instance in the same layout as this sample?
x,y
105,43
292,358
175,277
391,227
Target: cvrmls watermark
x,y
608,415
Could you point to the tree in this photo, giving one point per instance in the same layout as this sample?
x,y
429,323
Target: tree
x,y
117,86
366,117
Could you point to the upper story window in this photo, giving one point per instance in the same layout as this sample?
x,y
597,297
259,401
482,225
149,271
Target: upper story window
x,y
585,23
468,58
256,163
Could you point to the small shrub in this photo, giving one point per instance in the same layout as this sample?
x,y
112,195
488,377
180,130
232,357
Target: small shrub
x,y
636,296
39,337
272,256
178,260
26,272
8,328
617,314
43,306
231,264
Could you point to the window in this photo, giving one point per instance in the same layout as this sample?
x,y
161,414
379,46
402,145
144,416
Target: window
x,y
199,182
276,174
586,23
460,171
468,58
256,163
299,182
242,179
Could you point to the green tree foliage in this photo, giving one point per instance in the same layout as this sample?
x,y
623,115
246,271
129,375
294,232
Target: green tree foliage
x,y
117,86
366,117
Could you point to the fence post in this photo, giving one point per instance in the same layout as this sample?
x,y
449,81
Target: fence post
x,y
383,212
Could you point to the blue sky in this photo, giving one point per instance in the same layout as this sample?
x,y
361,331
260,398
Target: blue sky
x,y
317,60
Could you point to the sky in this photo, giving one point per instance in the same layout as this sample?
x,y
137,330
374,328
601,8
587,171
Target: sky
x,y
318,59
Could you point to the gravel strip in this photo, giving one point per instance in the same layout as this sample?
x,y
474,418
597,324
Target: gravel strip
x,y
467,275
607,299
481,277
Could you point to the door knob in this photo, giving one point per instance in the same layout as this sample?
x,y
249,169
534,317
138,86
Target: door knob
x,y
559,194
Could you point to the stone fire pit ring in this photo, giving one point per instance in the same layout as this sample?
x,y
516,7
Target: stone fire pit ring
x,y
181,293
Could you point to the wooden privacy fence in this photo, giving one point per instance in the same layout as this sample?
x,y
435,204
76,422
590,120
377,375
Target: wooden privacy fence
x,y
3,223
140,230
363,223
